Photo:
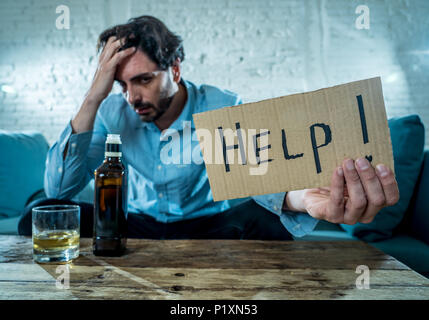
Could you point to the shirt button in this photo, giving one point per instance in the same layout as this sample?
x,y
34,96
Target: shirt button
x,y
276,208
60,170
159,167
73,145
160,195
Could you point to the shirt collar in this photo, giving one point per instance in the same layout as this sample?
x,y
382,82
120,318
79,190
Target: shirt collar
x,y
185,117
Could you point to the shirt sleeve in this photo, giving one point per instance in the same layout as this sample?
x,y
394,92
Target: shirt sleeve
x,y
297,223
64,178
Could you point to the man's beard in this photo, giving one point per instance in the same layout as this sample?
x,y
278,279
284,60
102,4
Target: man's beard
x,y
163,106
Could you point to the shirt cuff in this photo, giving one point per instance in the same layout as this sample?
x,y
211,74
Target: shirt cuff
x,y
271,201
78,143
297,223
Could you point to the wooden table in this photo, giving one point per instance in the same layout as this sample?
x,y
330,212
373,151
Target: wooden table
x,y
211,269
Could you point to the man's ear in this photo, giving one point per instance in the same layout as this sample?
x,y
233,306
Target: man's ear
x,y
176,69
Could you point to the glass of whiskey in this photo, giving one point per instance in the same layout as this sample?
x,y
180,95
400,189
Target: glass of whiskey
x,y
56,233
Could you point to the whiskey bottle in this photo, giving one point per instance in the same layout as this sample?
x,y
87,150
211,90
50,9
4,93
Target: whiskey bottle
x,y
110,202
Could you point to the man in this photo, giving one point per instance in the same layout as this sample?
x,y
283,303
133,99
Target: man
x,y
171,201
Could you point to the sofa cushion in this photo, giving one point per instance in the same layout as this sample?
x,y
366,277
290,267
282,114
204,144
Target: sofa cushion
x,y
22,166
407,135
419,215
9,225
407,249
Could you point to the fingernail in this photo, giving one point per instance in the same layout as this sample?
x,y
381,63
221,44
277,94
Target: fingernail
x,y
362,163
349,164
340,171
382,170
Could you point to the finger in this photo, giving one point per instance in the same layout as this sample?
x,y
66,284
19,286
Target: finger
x,y
373,190
356,205
111,49
121,55
390,186
324,191
108,43
336,203
110,40
327,191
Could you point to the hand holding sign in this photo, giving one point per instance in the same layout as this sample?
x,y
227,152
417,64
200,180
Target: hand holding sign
x,y
357,193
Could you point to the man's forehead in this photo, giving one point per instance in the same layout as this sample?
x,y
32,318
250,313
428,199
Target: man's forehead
x,y
136,64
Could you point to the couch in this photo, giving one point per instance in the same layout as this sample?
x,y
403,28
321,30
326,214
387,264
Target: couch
x,y
401,231
22,168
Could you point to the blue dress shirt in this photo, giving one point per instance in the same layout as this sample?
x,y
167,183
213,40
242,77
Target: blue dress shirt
x,y
167,178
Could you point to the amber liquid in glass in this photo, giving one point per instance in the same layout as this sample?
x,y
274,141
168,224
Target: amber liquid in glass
x,y
56,245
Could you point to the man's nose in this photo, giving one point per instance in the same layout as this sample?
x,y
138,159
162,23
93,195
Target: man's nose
x,y
134,97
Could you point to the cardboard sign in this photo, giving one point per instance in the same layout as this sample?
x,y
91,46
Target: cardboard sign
x,y
293,142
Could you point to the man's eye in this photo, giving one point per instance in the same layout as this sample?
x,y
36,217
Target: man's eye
x,y
146,80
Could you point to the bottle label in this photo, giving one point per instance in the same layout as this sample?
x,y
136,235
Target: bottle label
x,y
112,154
113,150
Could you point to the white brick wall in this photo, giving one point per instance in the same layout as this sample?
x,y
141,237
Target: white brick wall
x,y
260,49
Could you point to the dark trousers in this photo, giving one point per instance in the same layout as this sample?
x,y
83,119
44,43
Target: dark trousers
x,y
245,221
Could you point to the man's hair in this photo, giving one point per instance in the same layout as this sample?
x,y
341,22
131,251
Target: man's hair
x,y
151,36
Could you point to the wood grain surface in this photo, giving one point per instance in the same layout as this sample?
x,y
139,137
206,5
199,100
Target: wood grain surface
x,y
210,269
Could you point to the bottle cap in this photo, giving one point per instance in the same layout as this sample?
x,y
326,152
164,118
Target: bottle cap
x,y
114,139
